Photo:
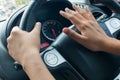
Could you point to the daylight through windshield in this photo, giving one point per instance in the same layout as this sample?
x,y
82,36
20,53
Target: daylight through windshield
x,y
9,6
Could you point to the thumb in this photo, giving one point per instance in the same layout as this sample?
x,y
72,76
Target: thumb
x,y
37,28
74,35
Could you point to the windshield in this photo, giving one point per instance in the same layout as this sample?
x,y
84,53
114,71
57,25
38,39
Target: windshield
x,y
7,7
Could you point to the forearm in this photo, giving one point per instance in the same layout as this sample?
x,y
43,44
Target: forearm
x,y
112,45
35,68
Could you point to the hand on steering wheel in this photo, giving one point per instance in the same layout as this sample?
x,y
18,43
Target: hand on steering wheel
x,y
92,36
22,44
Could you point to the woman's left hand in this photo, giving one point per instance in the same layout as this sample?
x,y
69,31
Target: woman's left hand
x,y
92,35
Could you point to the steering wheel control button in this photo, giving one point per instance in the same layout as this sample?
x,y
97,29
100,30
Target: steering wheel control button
x,y
113,25
52,58
118,77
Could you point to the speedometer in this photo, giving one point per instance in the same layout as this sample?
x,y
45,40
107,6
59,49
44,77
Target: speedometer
x,y
51,29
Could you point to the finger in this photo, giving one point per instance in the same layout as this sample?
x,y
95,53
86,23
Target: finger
x,y
15,30
37,28
74,13
71,17
9,39
90,15
10,45
87,9
80,11
69,11
80,24
74,35
77,8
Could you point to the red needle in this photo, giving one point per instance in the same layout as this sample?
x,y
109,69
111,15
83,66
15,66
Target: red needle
x,y
54,33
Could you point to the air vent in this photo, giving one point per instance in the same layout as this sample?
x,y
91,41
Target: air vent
x,y
99,15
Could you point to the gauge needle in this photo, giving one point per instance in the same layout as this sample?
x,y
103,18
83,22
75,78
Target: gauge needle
x,y
54,33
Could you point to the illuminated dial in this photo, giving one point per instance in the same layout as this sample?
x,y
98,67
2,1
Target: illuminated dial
x,y
51,29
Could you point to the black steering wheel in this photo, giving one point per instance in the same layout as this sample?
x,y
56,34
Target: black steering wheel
x,y
65,58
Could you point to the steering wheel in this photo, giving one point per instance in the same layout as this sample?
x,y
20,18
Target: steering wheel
x,y
68,60
108,3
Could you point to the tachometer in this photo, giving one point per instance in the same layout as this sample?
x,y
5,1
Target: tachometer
x,y
51,29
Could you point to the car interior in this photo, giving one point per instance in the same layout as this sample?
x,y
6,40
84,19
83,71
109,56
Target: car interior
x,y
64,57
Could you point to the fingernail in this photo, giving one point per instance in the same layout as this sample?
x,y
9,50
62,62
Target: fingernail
x,y
74,5
61,12
86,6
38,23
67,9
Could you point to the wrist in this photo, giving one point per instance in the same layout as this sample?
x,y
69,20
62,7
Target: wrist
x,y
29,56
35,68
109,45
105,44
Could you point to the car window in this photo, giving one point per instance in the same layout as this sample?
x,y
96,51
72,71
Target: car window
x,y
7,7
